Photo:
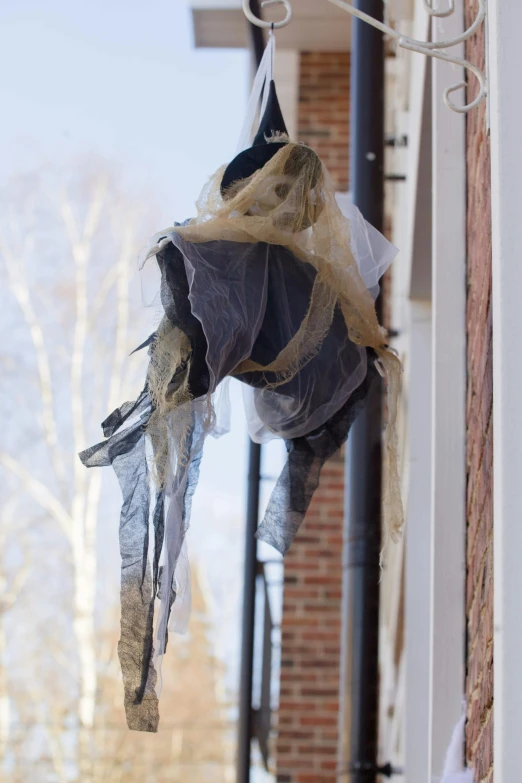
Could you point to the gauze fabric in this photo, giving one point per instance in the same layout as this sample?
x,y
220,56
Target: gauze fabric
x,y
291,203
269,284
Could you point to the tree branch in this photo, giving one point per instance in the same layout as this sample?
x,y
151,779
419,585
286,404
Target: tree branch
x,y
81,251
39,492
17,277
122,322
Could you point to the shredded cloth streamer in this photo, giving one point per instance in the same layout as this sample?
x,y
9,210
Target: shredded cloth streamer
x,y
271,284
454,770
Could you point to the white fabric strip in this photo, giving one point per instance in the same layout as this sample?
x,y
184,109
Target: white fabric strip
x,y
454,770
260,85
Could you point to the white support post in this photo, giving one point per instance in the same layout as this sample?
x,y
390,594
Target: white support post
x,y
418,370
505,63
448,626
418,573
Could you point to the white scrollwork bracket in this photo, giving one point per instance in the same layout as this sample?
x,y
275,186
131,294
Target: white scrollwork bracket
x,y
436,49
439,12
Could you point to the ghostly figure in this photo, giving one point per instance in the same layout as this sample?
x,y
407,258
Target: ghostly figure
x,y
265,284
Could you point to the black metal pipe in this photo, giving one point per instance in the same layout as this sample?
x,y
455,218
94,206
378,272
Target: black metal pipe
x,y
245,727
364,455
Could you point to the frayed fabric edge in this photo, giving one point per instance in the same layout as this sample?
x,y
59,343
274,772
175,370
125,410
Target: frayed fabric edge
x,y
454,769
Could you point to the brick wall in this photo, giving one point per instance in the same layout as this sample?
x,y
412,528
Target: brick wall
x,y
479,593
309,697
324,110
307,743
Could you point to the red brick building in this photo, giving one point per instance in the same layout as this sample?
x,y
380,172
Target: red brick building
x,y
479,424
450,590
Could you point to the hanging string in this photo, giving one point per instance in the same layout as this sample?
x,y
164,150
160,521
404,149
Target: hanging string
x,y
260,90
270,75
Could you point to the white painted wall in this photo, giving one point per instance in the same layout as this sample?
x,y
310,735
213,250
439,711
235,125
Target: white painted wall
x,y
505,24
418,546
448,627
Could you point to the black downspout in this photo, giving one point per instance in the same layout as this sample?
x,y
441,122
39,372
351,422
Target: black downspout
x,y
364,458
245,727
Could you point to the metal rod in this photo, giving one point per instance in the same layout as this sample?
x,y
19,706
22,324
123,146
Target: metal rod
x,y
364,457
245,728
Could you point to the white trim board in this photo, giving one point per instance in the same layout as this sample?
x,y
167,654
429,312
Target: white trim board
x,y
412,317
505,67
448,618
418,545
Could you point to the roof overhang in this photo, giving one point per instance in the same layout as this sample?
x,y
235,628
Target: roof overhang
x,y
315,26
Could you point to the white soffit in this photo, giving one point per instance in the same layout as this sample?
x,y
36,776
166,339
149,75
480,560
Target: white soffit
x,y
315,26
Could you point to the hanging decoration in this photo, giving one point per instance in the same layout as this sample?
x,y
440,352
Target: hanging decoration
x,y
269,283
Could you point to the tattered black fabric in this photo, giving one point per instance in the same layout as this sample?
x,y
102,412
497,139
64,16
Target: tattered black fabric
x,y
125,451
293,492
253,325
273,284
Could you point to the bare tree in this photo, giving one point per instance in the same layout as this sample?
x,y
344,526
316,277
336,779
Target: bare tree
x,y
12,582
193,743
66,255
67,250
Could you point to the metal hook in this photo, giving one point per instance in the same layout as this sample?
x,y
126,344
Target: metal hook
x,y
268,25
435,12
